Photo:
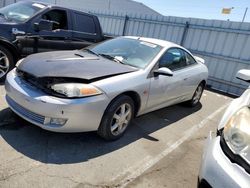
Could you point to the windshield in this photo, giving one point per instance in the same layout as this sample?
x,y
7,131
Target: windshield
x,y
21,11
128,51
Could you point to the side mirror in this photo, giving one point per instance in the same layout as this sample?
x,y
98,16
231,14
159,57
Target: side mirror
x,y
244,75
163,71
43,25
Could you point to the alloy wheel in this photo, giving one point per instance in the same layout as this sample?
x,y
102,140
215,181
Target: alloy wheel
x,y
198,94
4,64
121,119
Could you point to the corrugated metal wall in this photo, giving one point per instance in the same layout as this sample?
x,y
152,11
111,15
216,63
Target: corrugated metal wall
x,y
224,45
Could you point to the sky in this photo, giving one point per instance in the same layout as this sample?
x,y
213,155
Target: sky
x,y
208,9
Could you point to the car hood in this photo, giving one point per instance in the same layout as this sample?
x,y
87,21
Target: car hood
x,y
7,22
67,64
235,105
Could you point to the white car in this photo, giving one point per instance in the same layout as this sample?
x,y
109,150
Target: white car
x,y
226,158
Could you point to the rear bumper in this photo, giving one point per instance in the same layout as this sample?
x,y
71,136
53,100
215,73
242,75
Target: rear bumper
x,y
33,105
217,170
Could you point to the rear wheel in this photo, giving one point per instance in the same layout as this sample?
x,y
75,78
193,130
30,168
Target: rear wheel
x,y
6,62
197,95
116,118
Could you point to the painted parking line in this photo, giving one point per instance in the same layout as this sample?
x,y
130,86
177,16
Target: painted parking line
x,y
2,91
3,103
148,162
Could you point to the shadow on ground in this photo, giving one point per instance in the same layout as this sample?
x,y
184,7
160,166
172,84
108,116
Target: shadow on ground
x,y
58,148
209,88
1,83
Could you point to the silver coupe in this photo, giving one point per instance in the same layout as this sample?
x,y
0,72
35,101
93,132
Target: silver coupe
x,y
103,87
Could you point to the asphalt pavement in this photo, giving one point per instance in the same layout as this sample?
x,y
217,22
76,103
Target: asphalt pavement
x,y
160,149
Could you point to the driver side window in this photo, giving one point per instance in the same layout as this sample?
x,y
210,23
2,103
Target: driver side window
x,y
59,17
173,59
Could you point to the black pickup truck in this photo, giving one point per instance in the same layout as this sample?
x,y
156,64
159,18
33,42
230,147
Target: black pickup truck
x,y
29,27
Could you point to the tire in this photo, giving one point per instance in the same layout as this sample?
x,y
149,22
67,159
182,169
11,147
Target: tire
x,y
6,62
116,118
196,96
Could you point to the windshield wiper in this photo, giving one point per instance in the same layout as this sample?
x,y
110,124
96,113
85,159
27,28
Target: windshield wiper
x,y
111,58
79,55
90,51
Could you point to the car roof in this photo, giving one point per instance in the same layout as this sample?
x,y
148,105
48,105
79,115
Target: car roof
x,y
163,43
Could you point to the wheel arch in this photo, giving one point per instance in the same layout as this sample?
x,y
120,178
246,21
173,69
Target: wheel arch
x,y
102,129
203,82
12,48
134,96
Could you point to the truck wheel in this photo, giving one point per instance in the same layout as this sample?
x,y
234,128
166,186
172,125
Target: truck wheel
x,y
6,62
116,118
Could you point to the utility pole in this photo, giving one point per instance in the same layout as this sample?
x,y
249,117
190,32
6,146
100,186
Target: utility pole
x,y
245,14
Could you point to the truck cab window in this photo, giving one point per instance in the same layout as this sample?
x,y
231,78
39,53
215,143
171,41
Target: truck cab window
x,y
59,17
84,23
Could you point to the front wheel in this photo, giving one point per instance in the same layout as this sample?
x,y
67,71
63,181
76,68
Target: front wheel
x,y
6,62
197,95
116,118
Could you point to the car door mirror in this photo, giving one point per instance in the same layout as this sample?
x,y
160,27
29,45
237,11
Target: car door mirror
x,y
163,71
43,25
244,75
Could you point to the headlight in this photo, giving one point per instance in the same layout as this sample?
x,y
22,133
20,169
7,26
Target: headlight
x,y
237,133
76,90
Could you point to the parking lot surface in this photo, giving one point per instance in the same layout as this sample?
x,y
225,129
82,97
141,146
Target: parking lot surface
x,y
160,149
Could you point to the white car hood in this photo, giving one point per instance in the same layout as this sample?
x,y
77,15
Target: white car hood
x,y
236,104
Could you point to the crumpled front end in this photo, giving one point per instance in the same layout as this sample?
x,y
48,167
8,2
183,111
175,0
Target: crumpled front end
x,y
54,113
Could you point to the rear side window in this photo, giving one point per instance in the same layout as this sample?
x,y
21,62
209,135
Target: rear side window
x,y
190,60
173,59
84,23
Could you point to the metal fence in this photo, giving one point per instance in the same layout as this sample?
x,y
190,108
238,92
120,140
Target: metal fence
x,y
224,45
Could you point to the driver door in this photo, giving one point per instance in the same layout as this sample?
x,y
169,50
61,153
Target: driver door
x,y
167,90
